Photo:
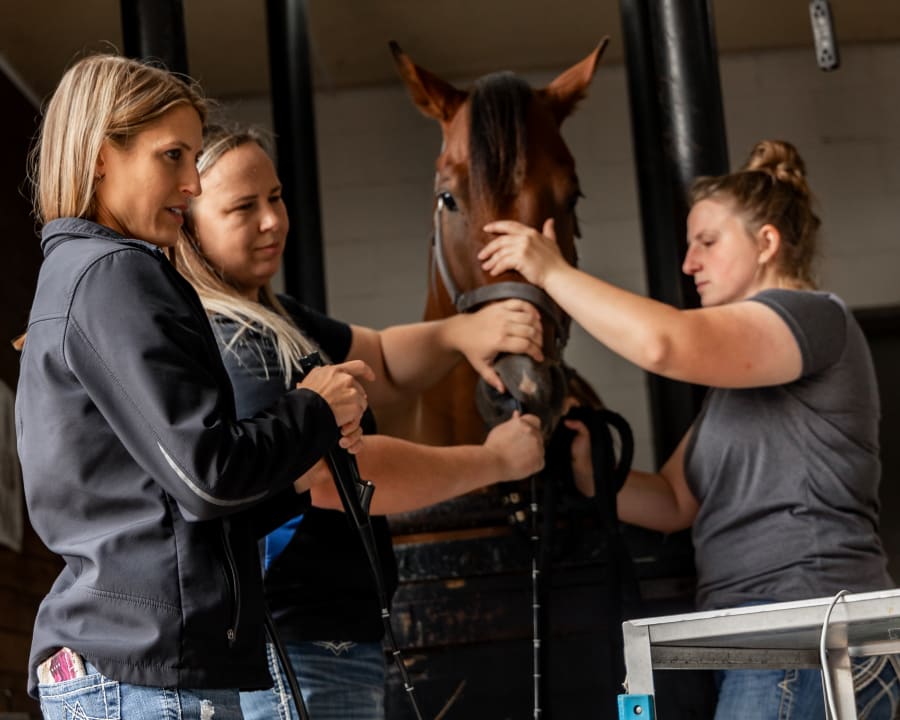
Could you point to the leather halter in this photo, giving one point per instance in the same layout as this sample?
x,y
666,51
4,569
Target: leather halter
x,y
473,299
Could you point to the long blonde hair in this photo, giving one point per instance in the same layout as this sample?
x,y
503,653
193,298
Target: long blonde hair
x,y
101,97
216,293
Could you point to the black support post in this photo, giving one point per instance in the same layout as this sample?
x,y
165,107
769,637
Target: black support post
x,y
154,29
678,130
295,129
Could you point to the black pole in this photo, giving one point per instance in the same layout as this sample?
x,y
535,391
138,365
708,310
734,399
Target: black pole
x,y
678,131
154,29
295,131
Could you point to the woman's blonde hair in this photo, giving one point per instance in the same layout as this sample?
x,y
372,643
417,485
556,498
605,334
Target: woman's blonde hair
x,y
101,97
771,189
216,292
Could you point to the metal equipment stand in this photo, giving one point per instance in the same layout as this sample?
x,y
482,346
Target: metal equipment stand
x,y
778,635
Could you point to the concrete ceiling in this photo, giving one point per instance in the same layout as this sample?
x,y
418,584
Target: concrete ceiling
x,y
458,39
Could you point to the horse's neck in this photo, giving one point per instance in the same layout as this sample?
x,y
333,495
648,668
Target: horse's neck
x,y
445,414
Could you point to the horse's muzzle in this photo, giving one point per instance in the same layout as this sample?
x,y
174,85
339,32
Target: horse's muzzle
x,y
535,388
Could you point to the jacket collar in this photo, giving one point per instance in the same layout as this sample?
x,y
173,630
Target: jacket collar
x,y
60,230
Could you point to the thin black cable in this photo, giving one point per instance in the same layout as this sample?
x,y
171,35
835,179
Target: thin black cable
x,y
351,488
535,599
285,662
536,615
356,494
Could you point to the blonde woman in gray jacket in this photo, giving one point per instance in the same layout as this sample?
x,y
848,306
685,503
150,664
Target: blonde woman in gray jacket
x,y
137,471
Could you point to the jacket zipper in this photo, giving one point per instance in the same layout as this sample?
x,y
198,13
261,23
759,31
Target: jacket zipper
x,y
231,632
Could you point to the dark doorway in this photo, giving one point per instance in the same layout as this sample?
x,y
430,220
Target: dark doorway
x,y
882,329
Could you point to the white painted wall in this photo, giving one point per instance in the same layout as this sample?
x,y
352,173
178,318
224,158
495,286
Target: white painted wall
x,y
376,156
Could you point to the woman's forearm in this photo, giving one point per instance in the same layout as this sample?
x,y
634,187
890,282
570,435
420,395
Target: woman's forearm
x,y
406,358
417,355
737,344
637,328
408,476
660,501
649,501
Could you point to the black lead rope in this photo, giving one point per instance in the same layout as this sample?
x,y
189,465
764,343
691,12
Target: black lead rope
x,y
285,663
356,495
610,475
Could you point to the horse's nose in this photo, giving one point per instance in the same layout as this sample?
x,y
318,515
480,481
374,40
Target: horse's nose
x,y
535,388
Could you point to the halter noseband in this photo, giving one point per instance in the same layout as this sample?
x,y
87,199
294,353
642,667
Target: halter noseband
x,y
473,299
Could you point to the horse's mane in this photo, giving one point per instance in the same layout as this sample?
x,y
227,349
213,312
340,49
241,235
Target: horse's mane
x,y
498,137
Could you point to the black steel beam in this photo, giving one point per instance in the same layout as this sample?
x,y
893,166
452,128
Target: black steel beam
x,y
154,29
295,129
678,131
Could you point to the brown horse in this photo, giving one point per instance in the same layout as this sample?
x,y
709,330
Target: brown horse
x,y
502,156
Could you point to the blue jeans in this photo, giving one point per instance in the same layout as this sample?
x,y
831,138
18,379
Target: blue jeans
x,y
339,681
95,697
798,695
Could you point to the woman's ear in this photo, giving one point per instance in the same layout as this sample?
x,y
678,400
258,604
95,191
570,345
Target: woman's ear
x,y
100,165
769,240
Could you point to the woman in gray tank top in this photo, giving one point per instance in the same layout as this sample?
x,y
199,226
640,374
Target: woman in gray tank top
x,y
785,451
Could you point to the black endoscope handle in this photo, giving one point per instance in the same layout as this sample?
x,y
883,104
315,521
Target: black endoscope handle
x,y
355,494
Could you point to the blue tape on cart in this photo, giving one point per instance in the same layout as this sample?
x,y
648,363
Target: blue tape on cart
x,y
636,707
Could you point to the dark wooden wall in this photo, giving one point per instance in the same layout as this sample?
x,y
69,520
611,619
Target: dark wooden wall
x,y
24,577
463,616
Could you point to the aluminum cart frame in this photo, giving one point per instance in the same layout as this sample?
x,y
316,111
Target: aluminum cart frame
x,y
777,635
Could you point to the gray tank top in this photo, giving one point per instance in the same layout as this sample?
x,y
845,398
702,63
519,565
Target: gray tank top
x,y
787,476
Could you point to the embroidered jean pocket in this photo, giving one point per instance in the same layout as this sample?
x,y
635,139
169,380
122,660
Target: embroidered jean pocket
x,y
336,648
92,697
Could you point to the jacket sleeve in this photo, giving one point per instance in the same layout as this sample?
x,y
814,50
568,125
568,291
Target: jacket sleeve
x,y
139,343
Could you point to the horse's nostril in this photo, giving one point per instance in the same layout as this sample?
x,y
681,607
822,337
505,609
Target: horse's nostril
x,y
528,385
494,407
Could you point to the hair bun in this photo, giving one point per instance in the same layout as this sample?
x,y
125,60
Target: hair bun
x,y
781,160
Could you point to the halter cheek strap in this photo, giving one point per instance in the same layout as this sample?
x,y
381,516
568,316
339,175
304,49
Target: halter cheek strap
x,y
475,298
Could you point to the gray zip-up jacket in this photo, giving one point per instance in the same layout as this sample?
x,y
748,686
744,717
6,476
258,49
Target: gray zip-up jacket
x,y
133,462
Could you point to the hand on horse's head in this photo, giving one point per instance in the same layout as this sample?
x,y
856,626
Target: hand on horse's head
x,y
522,249
508,326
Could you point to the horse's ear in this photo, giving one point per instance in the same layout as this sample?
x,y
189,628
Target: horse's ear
x,y
563,94
436,98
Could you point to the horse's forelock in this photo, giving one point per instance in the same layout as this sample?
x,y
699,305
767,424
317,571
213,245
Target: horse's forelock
x,y
499,106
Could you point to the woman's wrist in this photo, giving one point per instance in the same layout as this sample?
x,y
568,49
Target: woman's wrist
x,y
497,465
557,277
452,333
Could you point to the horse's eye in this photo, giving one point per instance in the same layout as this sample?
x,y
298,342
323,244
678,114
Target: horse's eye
x,y
449,201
